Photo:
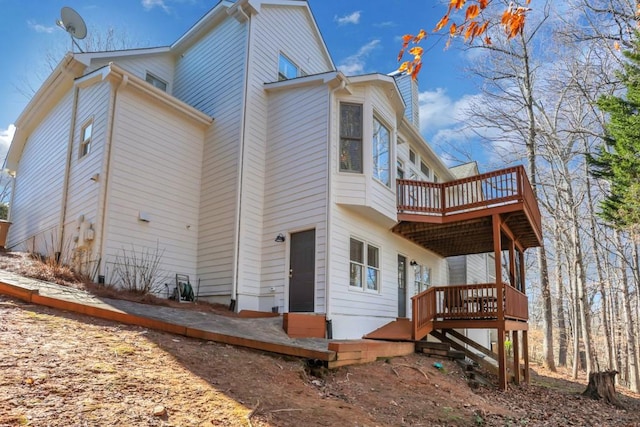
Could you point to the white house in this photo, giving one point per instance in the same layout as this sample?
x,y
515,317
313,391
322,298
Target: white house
x,y
244,157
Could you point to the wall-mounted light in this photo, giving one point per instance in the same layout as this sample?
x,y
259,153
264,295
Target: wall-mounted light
x,y
280,238
413,262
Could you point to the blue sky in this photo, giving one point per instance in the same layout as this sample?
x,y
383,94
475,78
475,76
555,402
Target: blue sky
x,y
362,37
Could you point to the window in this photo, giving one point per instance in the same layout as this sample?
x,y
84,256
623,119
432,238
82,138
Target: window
x,y
424,169
435,178
400,169
412,156
381,152
85,144
287,69
422,278
350,138
160,84
363,275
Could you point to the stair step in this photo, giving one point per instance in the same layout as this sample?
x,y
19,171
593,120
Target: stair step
x,y
435,352
421,345
456,355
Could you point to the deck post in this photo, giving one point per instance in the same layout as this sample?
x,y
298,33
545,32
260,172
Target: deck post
x,y
516,356
502,360
525,349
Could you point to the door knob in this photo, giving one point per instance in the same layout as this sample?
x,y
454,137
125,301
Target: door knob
x,y
290,273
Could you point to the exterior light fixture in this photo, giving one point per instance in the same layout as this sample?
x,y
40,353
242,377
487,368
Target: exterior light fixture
x,y
280,238
413,262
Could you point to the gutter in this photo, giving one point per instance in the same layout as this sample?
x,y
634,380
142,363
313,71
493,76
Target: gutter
x,y
236,255
329,215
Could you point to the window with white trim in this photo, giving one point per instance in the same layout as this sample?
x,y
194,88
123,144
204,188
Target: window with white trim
x,y
412,156
287,69
421,278
350,137
155,81
86,134
364,268
425,169
381,152
399,169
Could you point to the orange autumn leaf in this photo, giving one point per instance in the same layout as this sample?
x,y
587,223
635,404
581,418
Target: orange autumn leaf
x,y
400,54
483,4
442,23
470,30
453,29
416,51
472,12
457,4
616,46
404,66
422,34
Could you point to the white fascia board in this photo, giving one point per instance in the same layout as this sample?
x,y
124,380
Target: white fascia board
x,y
52,90
159,95
313,80
208,21
87,57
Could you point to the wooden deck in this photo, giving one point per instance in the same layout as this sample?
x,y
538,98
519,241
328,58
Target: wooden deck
x,y
455,218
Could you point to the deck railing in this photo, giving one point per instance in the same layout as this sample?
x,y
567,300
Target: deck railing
x,y
466,302
490,189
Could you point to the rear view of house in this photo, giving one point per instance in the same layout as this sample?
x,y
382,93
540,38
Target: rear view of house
x,y
284,185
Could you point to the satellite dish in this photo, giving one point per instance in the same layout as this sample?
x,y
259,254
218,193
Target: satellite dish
x,y
72,23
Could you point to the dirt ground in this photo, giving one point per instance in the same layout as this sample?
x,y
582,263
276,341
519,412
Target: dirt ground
x,y
64,369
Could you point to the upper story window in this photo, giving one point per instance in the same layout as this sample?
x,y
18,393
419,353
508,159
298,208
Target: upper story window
x,y
364,266
86,134
381,152
435,178
157,82
287,69
424,169
412,156
350,137
400,169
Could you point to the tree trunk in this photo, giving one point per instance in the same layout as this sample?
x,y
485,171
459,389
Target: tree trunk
x,y
562,326
628,319
602,385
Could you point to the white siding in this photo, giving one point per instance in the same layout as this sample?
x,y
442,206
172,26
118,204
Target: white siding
x,y
295,186
209,77
160,65
275,29
355,312
37,201
82,199
156,168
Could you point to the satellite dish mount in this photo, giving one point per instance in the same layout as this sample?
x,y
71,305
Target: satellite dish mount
x,y
72,23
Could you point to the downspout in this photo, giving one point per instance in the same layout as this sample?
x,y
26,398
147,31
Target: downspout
x,y
12,174
234,283
107,171
327,285
67,173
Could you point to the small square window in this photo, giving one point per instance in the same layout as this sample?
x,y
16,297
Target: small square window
x,y
364,275
287,69
435,178
400,170
155,81
86,134
425,169
412,156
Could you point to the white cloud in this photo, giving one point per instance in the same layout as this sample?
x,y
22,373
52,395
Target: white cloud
x,y
355,64
39,28
6,135
353,18
438,110
150,4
